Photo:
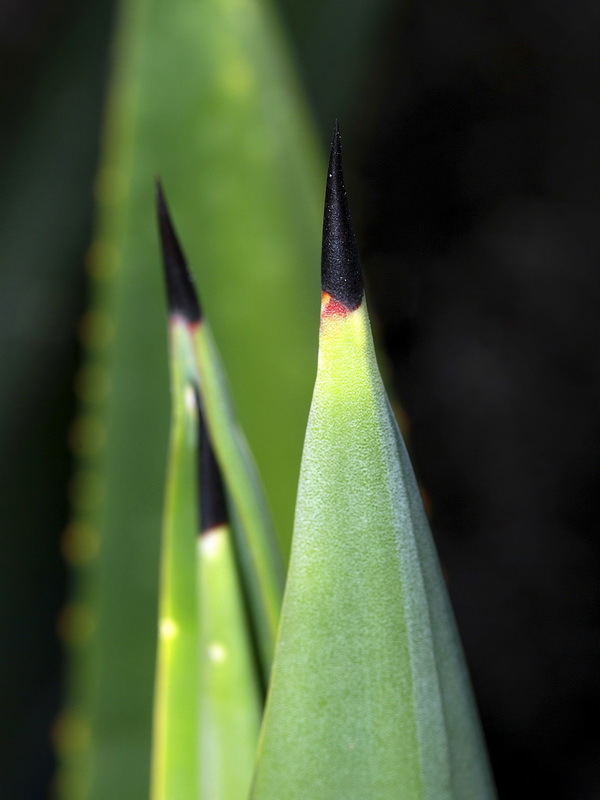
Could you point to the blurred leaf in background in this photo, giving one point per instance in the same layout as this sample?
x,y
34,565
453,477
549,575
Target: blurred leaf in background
x,y
53,59
205,96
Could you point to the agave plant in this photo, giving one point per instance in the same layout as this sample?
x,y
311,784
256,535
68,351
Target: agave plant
x,y
368,695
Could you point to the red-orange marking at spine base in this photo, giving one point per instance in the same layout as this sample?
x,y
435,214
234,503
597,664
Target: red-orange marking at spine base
x,y
179,319
331,307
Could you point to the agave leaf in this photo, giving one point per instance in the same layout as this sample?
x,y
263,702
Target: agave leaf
x,y
256,542
230,696
369,696
257,546
207,697
176,743
231,700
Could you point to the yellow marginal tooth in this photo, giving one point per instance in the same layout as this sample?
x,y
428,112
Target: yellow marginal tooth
x,y
79,543
70,733
75,624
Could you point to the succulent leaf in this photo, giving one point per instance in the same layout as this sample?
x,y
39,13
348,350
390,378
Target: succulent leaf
x,y
175,732
256,543
369,696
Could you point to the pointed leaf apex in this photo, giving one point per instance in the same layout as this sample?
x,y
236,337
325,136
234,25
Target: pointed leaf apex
x,y
341,275
181,294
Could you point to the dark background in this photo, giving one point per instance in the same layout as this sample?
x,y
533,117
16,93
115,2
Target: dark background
x,y
470,133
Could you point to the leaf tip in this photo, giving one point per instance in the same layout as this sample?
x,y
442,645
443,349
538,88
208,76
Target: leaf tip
x,y
181,294
341,274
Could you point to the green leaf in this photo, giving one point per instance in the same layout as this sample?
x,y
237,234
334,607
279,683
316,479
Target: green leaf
x,y
259,554
225,722
207,702
369,695
176,742
257,546
231,702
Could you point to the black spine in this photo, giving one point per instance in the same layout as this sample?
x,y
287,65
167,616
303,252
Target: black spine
x,y
341,275
181,294
211,493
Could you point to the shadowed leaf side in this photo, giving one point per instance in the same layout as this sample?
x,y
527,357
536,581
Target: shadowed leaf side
x,y
211,492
